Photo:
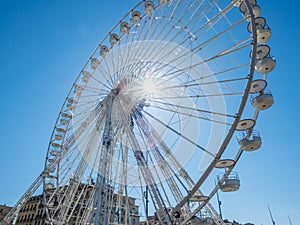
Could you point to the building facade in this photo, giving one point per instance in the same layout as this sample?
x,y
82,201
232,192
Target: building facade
x,y
33,211
4,209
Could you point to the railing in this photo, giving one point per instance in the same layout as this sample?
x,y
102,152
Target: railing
x,y
265,92
232,176
244,135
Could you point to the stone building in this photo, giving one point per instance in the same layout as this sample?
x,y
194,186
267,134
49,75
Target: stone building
x,y
33,211
4,209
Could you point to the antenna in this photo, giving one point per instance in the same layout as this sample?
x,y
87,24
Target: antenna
x,y
290,220
271,215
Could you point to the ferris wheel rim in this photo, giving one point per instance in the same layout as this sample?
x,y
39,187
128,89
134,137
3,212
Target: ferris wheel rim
x,y
257,89
229,135
90,57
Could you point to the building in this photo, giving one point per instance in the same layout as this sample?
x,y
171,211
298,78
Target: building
x,y
4,209
119,215
33,211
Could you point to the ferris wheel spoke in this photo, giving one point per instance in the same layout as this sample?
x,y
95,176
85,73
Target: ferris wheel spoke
x,y
207,118
193,109
164,38
171,182
80,141
159,184
79,172
89,104
132,52
167,172
148,176
94,90
228,51
228,21
212,75
106,69
199,96
104,85
209,75
199,47
212,83
178,22
134,43
84,206
219,55
101,83
175,162
180,134
70,142
212,21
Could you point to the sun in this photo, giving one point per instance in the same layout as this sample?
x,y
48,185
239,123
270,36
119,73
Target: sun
x,y
149,87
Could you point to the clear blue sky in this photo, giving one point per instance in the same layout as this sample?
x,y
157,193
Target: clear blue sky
x,y
44,43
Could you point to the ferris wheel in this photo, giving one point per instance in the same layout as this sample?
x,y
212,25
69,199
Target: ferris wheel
x,y
147,132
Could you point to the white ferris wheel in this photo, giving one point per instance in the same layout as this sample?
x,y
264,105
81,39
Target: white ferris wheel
x,y
147,132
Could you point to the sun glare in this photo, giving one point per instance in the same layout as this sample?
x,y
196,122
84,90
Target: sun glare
x,y
149,86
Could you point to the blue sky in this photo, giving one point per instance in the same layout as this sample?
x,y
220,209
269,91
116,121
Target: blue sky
x,y
43,45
